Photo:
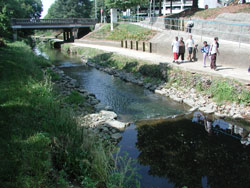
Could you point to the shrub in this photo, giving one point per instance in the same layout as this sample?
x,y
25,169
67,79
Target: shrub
x,y
222,91
75,98
151,70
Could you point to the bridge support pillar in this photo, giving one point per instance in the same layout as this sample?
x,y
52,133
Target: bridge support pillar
x,y
68,35
71,36
64,36
14,34
75,33
67,38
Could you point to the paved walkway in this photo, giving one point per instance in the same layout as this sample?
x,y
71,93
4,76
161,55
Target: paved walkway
x,y
227,72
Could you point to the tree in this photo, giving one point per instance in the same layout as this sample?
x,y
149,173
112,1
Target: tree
x,y
70,9
195,3
160,3
17,9
124,4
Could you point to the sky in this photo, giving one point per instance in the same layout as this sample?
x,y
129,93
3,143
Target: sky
x,y
46,5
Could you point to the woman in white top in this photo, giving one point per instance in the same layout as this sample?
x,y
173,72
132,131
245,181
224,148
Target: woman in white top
x,y
175,47
213,52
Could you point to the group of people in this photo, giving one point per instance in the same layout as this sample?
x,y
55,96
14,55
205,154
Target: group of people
x,y
208,51
179,49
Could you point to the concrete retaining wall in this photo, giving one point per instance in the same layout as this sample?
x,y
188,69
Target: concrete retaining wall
x,y
233,27
231,55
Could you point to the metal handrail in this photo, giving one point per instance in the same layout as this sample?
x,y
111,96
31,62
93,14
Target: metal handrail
x,y
56,21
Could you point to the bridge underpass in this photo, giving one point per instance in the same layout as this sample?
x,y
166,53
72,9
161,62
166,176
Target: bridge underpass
x,y
72,27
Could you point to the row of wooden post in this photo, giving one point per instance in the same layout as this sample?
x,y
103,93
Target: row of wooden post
x,y
136,45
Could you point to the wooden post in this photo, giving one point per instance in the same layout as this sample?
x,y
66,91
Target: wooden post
x,y
136,45
122,43
126,44
150,47
143,46
131,44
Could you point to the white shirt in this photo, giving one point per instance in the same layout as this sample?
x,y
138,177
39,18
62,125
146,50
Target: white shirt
x,y
190,43
213,48
190,22
175,46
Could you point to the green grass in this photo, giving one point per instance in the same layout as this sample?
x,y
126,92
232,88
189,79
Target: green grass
x,y
223,90
123,31
54,76
75,98
41,143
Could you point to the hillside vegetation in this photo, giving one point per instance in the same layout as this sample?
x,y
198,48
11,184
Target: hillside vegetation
x,y
122,31
214,12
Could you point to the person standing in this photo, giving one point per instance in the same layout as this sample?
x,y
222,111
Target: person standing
x,y
213,52
190,24
205,51
181,49
190,46
175,47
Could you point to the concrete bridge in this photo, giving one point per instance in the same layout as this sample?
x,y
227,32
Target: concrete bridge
x,y
70,26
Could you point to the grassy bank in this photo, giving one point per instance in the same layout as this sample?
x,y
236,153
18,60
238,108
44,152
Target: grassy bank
x,y
123,31
221,90
214,12
41,144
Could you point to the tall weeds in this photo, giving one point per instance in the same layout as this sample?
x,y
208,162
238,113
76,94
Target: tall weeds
x,y
41,144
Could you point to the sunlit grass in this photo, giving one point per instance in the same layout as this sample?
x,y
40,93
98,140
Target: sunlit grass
x,y
123,31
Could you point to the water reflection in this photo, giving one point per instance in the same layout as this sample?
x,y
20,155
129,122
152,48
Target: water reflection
x,y
183,152
222,126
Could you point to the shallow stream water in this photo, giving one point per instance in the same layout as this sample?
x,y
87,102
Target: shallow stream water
x,y
176,152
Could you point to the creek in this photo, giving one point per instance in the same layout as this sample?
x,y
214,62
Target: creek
x,y
170,152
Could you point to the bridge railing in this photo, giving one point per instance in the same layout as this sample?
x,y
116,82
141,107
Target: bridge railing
x,y
57,21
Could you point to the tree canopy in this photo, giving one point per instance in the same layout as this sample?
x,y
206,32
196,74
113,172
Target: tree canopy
x,y
70,9
17,9
124,4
